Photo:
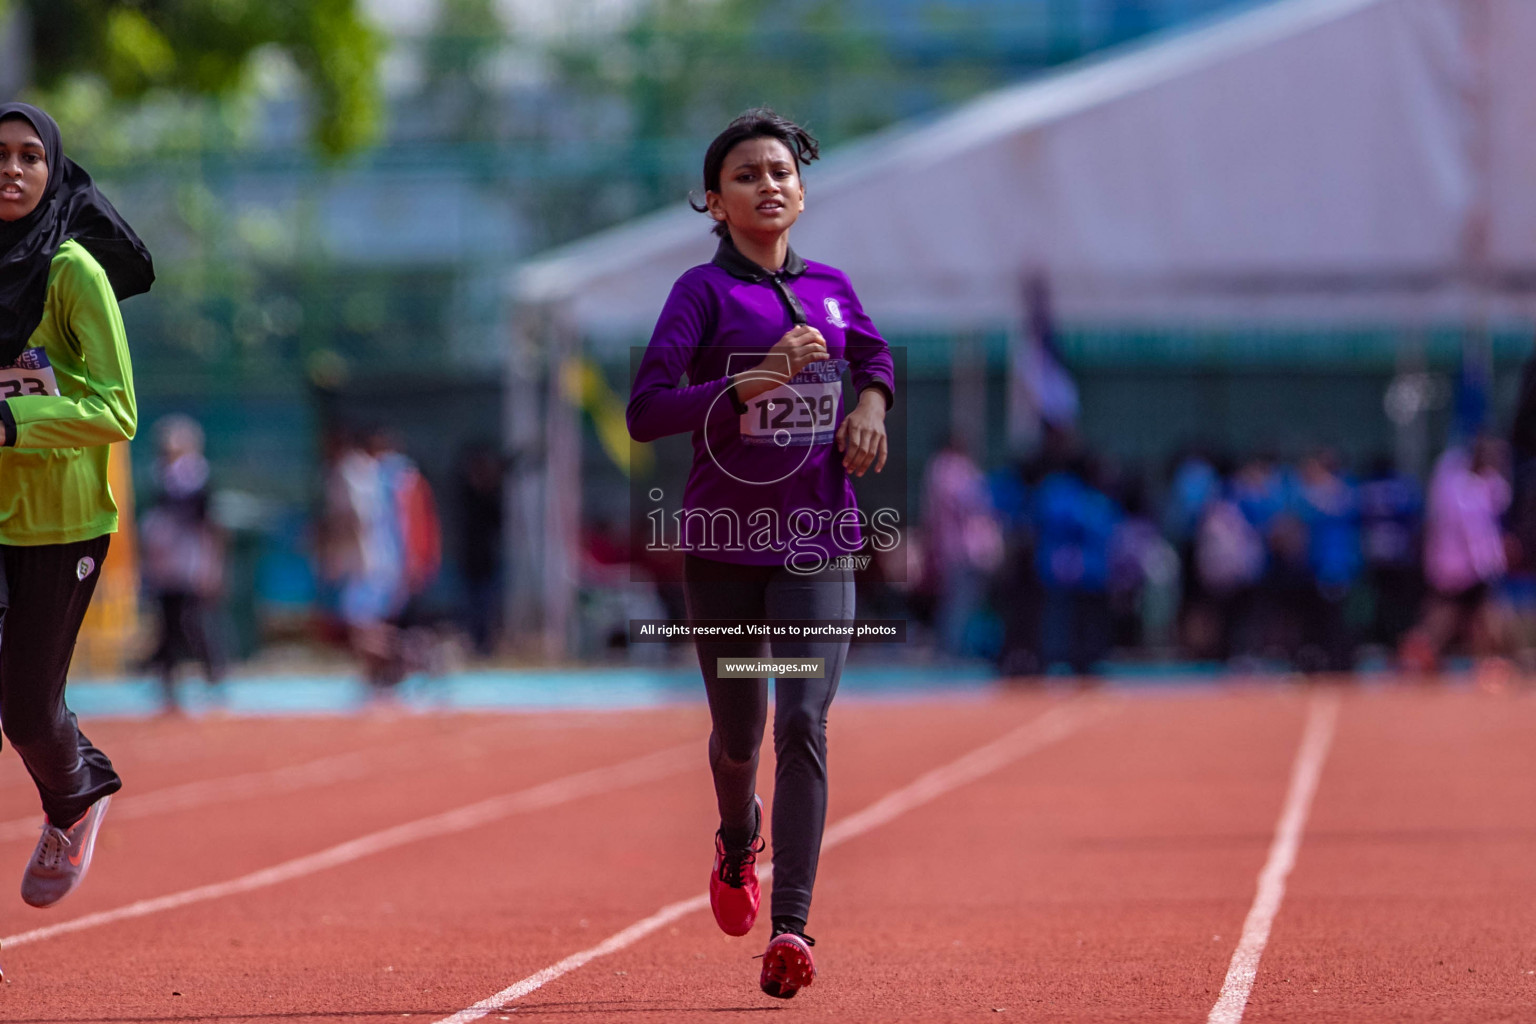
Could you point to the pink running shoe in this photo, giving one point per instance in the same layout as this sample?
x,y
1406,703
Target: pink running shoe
x,y
62,857
788,965
733,891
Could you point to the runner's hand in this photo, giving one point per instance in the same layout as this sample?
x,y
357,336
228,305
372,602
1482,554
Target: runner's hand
x,y
861,438
799,347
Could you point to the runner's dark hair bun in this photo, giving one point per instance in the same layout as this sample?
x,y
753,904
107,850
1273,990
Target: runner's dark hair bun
x,y
757,123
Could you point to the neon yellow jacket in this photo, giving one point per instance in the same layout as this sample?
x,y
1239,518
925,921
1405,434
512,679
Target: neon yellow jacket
x,y
53,481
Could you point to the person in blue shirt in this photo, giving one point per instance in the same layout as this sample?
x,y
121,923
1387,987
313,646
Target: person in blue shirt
x,y
1391,532
1327,506
1075,521
1015,590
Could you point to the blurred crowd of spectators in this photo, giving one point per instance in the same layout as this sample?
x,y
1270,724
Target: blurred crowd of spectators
x,y
1063,561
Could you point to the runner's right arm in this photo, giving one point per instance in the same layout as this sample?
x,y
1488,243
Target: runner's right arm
x,y
658,407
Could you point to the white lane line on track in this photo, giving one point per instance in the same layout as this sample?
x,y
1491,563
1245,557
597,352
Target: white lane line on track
x,y
623,775
1322,719
1054,725
320,772
314,774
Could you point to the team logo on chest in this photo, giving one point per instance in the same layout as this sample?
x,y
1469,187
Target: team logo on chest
x,y
835,313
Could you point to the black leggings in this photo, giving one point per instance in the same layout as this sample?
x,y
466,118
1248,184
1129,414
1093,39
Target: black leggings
x,y
738,709
50,588
185,631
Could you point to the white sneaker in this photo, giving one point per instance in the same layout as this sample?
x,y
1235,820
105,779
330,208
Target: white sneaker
x,y
62,857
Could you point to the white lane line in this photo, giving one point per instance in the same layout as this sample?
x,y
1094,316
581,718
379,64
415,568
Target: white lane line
x,y
323,771
612,944
623,775
1054,725
1322,718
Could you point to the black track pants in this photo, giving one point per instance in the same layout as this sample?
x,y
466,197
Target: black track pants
x,y
738,709
50,587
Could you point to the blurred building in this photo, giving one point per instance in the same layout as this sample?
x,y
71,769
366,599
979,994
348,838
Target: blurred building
x,y
1189,193
14,58
296,294
1296,226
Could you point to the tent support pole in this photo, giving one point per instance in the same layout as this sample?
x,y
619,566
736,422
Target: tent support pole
x,y
562,494
523,481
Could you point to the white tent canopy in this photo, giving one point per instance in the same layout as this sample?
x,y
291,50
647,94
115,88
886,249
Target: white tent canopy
x,y
1308,158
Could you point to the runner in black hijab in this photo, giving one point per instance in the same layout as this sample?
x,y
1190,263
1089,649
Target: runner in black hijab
x,y
66,395
71,208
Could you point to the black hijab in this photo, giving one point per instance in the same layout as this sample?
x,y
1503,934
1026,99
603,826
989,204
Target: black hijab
x,y
71,208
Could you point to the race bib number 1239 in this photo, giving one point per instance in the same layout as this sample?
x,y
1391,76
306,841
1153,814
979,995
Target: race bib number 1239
x,y
802,412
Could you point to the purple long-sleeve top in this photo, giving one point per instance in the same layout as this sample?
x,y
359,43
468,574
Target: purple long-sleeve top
x,y
767,479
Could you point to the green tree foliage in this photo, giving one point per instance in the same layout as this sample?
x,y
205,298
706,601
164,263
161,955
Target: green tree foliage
x,y
204,48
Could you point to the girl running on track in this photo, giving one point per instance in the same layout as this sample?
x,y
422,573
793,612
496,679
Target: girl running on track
x,y
66,394
763,337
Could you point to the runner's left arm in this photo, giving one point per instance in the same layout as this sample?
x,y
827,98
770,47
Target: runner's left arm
x,y
861,437
106,412
869,357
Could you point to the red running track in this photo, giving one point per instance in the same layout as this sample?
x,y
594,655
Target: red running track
x,y
1097,867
